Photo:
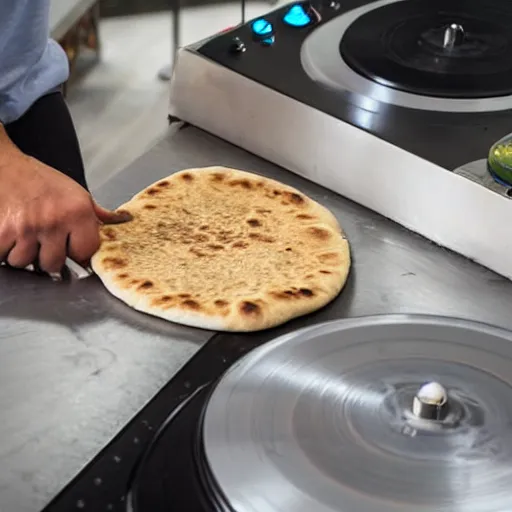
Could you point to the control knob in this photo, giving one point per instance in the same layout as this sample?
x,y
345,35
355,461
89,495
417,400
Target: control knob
x,y
298,16
262,29
237,46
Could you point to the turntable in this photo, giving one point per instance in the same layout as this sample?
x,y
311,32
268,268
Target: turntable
x,y
394,104
376,414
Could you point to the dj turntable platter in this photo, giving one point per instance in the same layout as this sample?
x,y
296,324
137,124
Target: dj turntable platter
x,y
381,414
430,55
456,49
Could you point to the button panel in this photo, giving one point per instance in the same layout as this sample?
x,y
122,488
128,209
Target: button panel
x,y
262,28
297,17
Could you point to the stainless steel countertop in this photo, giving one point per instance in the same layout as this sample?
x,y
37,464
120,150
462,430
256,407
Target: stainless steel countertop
x,y
75,364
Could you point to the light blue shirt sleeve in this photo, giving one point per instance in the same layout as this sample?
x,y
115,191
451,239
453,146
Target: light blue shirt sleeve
x,y
31,64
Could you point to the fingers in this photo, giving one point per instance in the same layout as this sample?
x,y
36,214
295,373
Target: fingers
x,y
6,244
109,217
71,231
24,252
84,241
53,251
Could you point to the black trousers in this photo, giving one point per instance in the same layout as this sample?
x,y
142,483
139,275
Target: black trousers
x,y
46,132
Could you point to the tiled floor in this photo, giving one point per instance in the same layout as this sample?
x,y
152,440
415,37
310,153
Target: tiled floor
x,y
120,106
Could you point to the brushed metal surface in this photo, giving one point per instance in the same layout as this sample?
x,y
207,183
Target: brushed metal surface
x,y
75,364
323,417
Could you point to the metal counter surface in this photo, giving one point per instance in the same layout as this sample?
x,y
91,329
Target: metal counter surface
x,y
75,364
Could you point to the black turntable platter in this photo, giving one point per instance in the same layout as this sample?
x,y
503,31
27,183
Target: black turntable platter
x,y
453,49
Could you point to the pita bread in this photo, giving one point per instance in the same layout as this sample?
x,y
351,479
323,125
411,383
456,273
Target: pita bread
x,y
224,249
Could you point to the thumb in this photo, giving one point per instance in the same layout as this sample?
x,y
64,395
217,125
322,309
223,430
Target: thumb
x,y
110,217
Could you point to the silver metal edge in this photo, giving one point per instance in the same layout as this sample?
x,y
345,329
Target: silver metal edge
x,y
368,321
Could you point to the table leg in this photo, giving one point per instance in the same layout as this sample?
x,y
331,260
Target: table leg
x,y
166,72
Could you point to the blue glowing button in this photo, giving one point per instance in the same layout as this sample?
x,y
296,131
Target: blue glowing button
x,y
297,17
262,28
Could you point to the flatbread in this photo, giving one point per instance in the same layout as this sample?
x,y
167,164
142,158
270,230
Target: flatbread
x,y
224,249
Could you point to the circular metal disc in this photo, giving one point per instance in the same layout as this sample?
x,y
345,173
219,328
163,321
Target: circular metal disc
x,y
322,62
320,420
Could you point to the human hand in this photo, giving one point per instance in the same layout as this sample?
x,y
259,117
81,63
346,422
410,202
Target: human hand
x,y
46,216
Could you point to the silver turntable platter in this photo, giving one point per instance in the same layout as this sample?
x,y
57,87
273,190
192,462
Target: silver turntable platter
x,y
337,417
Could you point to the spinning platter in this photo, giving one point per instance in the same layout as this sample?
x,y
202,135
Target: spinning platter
x,y
458,49
375,415
418,54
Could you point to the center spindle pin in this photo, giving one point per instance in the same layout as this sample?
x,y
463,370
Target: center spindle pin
x,y
430,402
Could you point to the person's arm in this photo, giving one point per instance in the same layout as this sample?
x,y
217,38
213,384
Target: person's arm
x,y
44,215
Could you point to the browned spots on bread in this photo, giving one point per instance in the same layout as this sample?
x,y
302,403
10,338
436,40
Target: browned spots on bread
x,y
204,227
263,211
240,245
215,247
277,192
187,177
319,233
244,183
262,238
114,263
153,191
286,295
304,216
221,303
146,285
249,308
326,272
295,198
329,258
163,184
254,223
109,234
199,237
149,207
196,252
165,301
124,275
292,294
191,304
184,295
218,176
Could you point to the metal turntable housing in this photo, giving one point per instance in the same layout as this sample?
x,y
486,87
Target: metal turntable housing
x,y
291,99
